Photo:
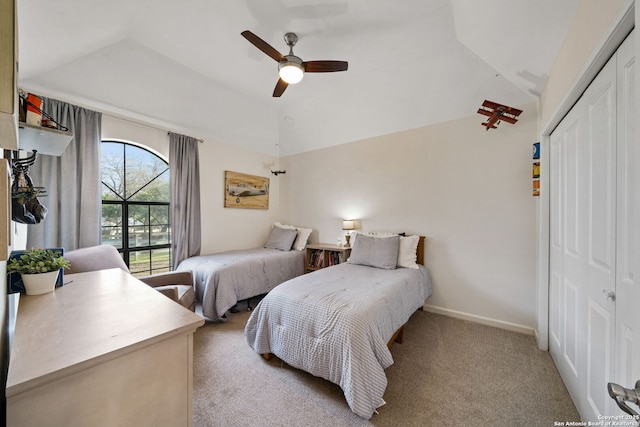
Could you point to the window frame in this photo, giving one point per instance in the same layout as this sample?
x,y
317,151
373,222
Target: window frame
x,y
125,249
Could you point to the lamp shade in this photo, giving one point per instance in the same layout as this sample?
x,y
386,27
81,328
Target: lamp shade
x,y
291,72
348,224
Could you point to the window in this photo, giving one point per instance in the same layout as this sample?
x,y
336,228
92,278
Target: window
x,y
135,206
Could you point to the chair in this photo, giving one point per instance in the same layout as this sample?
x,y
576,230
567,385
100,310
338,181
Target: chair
x,y
177,285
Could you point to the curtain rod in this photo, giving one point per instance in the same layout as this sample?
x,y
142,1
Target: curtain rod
x,y
200,140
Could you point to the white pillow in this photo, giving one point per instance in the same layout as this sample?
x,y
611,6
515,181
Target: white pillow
x,y
281,238
302,237
380,234
375,252
408,251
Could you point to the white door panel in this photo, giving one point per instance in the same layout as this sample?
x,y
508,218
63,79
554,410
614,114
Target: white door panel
x,y
573,182
600,100
599,372
627,358
571,329
555,329
556,247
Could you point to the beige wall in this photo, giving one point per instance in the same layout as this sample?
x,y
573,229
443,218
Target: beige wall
x,y
592,20
222,228
468,190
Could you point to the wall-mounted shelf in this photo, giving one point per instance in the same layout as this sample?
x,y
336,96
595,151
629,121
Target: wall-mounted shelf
x,y
48,141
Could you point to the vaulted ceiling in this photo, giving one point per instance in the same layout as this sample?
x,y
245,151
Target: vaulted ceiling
x,y
185,66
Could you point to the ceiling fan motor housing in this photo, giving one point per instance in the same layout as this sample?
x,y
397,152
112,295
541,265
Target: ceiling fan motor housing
x,y
291,39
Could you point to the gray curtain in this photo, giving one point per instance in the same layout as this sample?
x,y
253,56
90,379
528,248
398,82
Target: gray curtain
x,y
184,167
72,182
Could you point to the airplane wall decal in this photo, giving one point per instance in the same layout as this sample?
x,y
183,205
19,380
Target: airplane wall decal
x,y
498,112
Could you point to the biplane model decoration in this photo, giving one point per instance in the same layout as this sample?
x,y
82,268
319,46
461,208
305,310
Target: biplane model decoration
x,y
497,113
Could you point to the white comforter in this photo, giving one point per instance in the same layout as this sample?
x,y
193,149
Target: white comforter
x,y
223,279
335,323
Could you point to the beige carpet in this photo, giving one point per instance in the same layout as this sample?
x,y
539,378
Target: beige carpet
x,y
448,372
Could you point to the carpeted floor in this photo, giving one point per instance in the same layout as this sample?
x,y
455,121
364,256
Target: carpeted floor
x,y
448,372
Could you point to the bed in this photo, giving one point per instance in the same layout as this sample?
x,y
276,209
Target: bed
x,y
338,322
222,279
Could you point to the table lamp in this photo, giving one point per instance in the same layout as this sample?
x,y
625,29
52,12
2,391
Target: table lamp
x,y
348,225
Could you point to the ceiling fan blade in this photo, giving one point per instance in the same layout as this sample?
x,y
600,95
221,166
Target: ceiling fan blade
x,y
280,88
325,66
262,45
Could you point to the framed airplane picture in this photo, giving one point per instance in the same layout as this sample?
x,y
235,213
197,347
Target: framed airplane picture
x,y
245,191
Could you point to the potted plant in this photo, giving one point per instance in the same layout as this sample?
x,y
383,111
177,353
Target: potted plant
x,y
39,269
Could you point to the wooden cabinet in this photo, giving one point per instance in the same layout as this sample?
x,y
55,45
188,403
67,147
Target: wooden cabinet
x,y
321,255
103,350
8,75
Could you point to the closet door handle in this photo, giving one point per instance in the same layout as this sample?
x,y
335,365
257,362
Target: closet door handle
x,y
608,295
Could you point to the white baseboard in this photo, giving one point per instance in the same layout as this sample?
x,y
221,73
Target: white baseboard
x,y
482,320
541,345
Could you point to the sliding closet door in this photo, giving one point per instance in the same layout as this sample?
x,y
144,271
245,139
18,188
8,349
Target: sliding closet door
x,y
628,225
594,296
567,252
583,185
600,240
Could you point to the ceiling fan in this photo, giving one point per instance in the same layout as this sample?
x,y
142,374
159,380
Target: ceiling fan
x,y
290,67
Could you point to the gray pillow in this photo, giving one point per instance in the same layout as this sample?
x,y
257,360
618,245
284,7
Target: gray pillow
x,y
380,252
281,238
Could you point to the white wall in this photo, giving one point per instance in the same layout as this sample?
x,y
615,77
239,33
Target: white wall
x,y
468,190
222,228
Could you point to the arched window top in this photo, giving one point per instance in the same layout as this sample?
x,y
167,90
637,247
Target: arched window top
x,y
132,173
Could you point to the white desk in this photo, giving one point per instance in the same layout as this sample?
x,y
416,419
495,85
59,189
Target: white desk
x,y
103,350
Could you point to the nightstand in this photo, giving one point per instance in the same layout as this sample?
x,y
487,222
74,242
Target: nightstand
x,y
321,255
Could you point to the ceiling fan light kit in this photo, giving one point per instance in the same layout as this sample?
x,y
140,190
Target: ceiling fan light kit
x,y
291,68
